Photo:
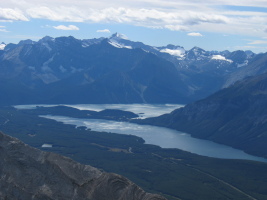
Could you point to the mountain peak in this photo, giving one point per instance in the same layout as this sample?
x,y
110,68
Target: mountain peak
x,y
28,41
119,36
195,48
46,38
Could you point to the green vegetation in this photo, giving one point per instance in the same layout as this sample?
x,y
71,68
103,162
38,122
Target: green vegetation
x,y
174,173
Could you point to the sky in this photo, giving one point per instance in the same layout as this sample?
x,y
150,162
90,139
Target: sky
x,y
209,24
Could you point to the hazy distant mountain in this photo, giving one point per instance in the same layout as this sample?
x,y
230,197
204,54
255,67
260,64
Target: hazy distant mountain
x,y
28,173
235,116
111,70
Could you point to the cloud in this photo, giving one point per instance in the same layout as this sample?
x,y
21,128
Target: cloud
x,y
224,16
8,14
3,29
138,17
103,31
258,42
66,28
176,27
62,13
194,34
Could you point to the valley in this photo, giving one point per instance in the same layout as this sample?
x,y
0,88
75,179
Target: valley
x,y
170,172
97,101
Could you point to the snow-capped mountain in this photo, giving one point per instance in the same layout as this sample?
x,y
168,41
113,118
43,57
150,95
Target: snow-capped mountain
x,y
92,71
192,58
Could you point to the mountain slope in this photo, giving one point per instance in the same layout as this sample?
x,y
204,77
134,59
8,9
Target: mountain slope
x,y
28,173
234,116
64,70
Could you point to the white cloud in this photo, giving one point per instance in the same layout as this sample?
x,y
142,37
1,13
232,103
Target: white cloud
x,y
140,17
3,29
194,34
258,42
176,27
67,14
66,28
103,31
182,15
8,14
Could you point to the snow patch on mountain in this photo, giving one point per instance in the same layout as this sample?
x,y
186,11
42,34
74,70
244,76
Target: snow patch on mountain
x,y
116,40
118,45
45,67
145,50
84,45
62,69
174,52
2,46
220,57
48,78
74,69
242,64
198,51
47,46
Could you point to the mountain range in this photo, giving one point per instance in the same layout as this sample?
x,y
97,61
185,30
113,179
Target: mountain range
x,y
115,70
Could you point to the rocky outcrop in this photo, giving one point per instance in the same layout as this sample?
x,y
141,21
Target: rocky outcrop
x,y
28,173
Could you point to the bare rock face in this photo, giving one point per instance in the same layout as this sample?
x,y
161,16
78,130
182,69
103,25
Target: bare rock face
x,y
28,173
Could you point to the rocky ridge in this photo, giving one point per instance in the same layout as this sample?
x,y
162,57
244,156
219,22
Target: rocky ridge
x,y
28,173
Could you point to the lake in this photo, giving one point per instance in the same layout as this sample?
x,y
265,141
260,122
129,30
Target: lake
x,y
163,137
